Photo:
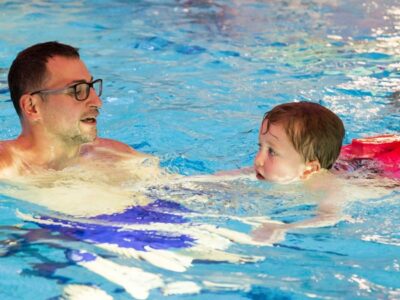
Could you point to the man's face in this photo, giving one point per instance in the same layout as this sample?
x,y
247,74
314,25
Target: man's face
x,y
62,115
277,160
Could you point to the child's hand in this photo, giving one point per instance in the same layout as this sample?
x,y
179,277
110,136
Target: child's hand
x,y
272,232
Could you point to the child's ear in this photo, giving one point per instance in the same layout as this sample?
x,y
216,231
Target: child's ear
x,y
311,168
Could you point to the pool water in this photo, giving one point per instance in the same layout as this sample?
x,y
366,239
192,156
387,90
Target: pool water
x,y
189,82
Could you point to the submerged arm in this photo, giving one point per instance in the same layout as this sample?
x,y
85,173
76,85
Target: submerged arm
x,y
329,210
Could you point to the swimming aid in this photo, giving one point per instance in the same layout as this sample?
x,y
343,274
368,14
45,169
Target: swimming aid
x,y
381,151
112,228
157,227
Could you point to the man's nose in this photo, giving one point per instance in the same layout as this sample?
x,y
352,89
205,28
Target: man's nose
x,y
94,100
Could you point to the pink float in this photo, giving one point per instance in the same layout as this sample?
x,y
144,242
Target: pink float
x,y
383,151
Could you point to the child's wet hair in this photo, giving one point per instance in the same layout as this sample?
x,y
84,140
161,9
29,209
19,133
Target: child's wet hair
x,y
315,131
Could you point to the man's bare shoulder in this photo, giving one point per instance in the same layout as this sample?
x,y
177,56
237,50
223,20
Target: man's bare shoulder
x,y
114,145
6,157
5,151
103,148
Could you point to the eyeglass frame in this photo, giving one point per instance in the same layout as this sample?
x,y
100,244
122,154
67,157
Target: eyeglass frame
x,y
73,86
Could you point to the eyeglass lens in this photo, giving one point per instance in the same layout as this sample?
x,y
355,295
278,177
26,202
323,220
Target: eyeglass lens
x,y
82,90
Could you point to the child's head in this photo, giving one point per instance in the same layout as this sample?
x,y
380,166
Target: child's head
x,y
297,139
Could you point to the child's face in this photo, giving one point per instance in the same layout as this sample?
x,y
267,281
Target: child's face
x,y
277,160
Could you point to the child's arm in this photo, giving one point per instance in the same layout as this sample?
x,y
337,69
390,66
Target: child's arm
x,y
328,212
242,171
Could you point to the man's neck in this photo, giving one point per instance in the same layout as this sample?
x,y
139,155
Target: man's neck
x,y
46,153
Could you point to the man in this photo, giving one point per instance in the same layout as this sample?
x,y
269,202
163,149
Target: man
x,y
57,101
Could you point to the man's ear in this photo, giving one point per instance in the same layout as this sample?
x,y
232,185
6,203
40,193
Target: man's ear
x,y
311,168
29,107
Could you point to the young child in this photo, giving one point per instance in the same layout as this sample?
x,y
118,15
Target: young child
x,y
300,139
297,140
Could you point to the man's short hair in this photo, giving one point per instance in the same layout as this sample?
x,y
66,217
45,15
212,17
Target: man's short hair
x,y
28,71
315,132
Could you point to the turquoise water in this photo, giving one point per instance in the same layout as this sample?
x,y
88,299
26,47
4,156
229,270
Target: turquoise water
x,y
189,81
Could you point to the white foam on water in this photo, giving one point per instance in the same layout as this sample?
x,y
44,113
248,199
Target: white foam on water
x,y
368,286
84,292
199,252
181,288
235,236
161,258
223,286
135,281
381,240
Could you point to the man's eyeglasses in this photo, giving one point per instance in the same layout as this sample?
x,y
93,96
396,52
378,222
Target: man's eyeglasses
x,y
80,90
